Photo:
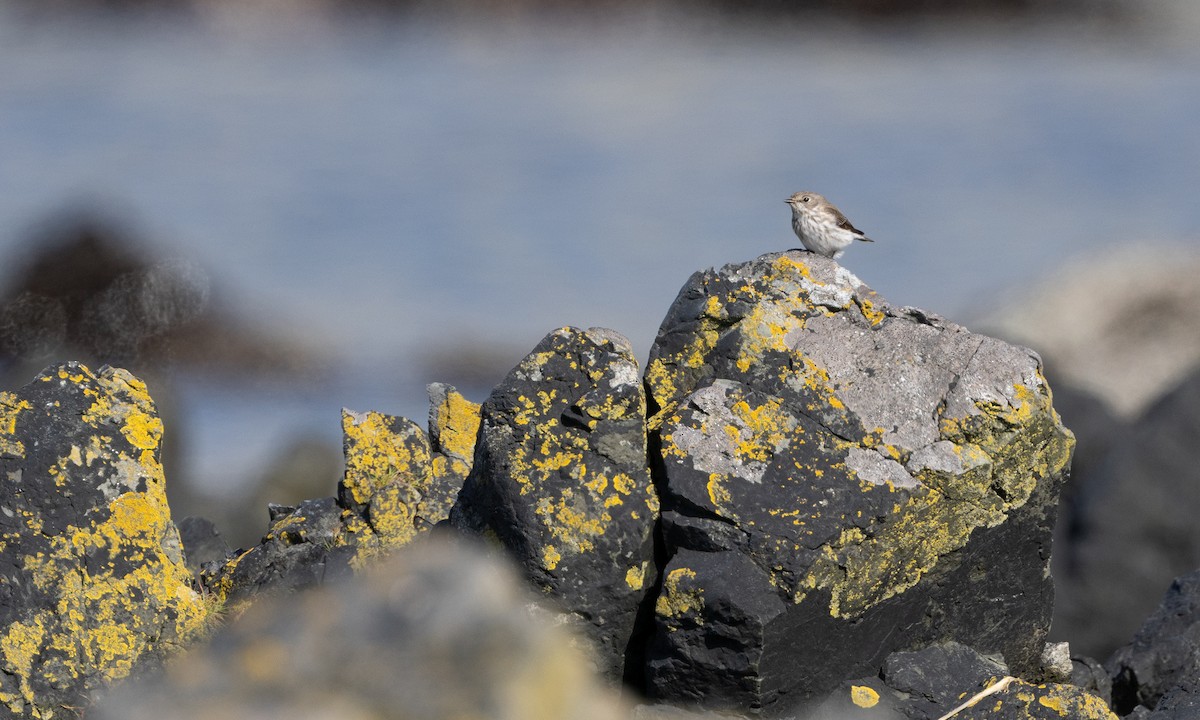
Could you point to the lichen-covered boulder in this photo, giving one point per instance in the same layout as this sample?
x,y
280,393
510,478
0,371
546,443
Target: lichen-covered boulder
x,y
399,481
387,465
561,481
92,579
439,630
397,485
874,479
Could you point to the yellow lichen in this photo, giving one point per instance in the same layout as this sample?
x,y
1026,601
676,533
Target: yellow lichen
x,y
676,598
635,577
459,425
719,495
863,696
133,594
380,452
10,410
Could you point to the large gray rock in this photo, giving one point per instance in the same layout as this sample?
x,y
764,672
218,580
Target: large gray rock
x,y
841,479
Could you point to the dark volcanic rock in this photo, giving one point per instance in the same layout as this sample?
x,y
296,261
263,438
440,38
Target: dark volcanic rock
x,y
1136,525
561,481
952,680
202,544
1181,702
439,631
1165,653
879,478
1087,673
938,678
92,579
304,548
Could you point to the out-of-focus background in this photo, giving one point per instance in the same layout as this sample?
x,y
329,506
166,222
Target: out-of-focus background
x,y
273,209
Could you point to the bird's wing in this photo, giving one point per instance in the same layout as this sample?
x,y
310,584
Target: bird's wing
x,y
843,223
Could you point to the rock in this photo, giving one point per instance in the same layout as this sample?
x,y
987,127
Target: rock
x,y
438,631
1088,674
93,289
396,486
1136,525
387,467
952,680
453,431
202,544
877,478
1056,662
936,679
561,480
399,481
92,578
1181,702
1165,652
305,547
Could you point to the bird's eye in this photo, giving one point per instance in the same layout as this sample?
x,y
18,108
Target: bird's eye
x,y
805,199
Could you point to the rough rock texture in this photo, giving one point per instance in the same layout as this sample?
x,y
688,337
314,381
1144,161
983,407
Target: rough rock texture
x,y
305,546
396,486
439,631
1164,657
1088,674
560,480
1136,525
92,579
387,469
941,679
400,482
841,479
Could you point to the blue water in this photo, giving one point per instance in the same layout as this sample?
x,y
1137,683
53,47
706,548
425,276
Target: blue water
x,y
383,189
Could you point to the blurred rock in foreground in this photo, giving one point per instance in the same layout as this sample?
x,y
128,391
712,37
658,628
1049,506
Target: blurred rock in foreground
x,y
439,631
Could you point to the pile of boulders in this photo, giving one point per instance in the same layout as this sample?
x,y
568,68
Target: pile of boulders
x,y
811,503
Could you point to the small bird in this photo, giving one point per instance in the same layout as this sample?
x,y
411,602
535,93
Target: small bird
x,y
821,227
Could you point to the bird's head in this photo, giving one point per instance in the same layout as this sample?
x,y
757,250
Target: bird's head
x,y
805,200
